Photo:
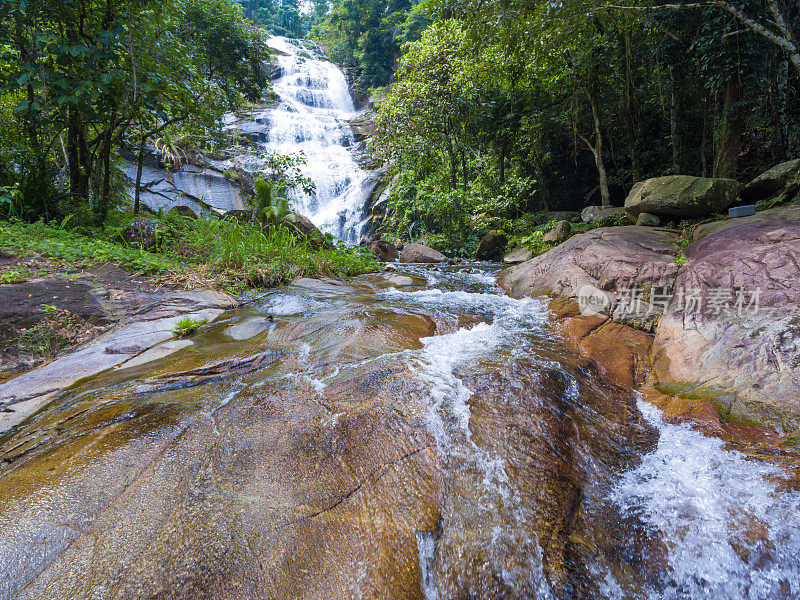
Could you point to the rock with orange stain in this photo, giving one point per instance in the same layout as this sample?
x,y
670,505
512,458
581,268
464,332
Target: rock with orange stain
x,y
618,351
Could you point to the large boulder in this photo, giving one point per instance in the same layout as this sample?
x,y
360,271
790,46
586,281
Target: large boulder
x,y
302,226
386,251
612,263
681,196
782,179
143,232
602,215
183,211
732,330
558,234
492,245
517,256
420,253
362,125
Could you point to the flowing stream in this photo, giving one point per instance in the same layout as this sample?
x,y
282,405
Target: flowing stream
x,y
311,118
402,435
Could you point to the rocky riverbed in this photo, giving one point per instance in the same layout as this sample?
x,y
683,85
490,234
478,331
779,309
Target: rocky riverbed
x,y
405,435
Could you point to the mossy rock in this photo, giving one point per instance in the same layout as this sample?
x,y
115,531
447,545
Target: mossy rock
x,y
681,196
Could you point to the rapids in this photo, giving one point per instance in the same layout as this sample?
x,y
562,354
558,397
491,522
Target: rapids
x,y
409,435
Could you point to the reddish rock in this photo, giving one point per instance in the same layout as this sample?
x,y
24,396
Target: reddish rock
x,y
748,359
386,251
420,253
611,261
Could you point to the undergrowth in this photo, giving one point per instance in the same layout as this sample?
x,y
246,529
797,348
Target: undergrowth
x,y
225,253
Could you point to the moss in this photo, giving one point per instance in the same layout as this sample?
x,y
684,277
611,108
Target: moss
x,y
726,416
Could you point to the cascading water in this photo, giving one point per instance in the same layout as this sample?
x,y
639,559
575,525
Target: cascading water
x,y
416,434
311,118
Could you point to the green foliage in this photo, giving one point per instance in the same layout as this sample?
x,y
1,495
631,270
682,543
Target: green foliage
x,y
187,326
270,206
15,275
81,83
233,253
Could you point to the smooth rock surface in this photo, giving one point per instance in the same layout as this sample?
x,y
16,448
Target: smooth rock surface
x,y
647,220
386,251
598,215
248,328
517,256
612,261
681,196
421,253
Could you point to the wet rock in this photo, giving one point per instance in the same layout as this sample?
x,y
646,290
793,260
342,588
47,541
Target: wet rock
x,y
492,245
611,262
681,196
783,179
248,328
400,280
362,125
142,232
183,211
619,352
157,352
420,253
737,340
386,251
518,255
647,220
558,234
602,215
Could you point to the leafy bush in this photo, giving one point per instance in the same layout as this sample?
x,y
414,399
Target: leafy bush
x,y
187,326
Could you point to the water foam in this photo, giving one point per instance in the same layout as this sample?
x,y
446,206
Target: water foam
x,y
731,534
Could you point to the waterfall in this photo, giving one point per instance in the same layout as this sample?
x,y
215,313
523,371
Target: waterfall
x,y
311,117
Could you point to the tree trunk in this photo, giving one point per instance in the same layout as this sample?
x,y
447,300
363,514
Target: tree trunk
x,y
729,133
597,150
631,112
79,158
139,165
502,163
464,173
453,167
782,108
673,123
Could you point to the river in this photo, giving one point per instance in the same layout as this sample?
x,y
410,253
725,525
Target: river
x,y
401,435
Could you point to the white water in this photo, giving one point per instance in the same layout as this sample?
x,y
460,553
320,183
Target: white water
x,y
730,533
311,118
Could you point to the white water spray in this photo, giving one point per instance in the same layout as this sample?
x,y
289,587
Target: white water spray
x,y
311,117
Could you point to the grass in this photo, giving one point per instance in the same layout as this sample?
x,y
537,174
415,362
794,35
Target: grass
x,y
221,253
187,326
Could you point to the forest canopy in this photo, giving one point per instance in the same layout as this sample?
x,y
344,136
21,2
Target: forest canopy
x,y
510,106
